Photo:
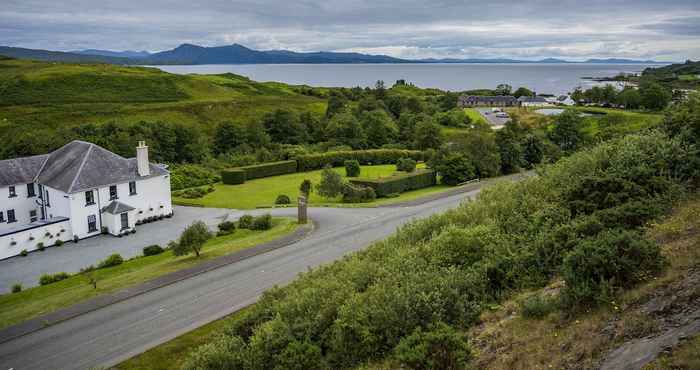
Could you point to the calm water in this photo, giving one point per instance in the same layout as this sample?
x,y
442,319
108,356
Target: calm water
x,y
543,78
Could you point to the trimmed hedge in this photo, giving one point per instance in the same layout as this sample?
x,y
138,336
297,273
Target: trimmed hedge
x,y
269,169
233,176
372,156
399,183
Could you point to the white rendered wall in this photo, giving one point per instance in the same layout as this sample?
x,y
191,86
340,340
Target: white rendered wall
x,y
80,212
21,204
22,240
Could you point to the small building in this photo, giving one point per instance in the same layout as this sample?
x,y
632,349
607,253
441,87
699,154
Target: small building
x,y
487,101
533,101
565,100
78,191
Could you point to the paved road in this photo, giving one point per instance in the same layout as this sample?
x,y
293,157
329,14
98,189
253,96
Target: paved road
x,y
496,122
115,333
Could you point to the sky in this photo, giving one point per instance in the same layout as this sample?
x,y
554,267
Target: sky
x,y
667,30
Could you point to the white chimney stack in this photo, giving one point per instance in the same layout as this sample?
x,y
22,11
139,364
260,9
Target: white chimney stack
x,y
142,159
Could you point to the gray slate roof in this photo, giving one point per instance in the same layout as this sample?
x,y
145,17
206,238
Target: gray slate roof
x,y
20,170
532,99
116,208
75,167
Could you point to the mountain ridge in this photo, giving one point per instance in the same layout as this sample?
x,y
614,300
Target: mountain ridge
x,y
193,54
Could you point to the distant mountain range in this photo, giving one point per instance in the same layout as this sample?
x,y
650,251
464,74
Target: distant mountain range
x,y
239,54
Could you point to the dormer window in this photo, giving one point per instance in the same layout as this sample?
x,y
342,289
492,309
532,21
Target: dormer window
x,y
13,192
113,192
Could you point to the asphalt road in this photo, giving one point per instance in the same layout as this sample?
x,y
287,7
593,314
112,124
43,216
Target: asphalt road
x,y
115,333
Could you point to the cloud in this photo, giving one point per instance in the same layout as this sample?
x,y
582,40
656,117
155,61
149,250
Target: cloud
x,y
668,30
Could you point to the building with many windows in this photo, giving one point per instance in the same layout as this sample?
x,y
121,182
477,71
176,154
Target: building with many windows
x,y
78,191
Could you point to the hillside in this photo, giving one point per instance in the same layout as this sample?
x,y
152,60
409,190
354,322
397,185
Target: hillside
x,y
680,76
41,98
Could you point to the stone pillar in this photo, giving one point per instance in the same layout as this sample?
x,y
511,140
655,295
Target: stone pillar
x,y
301,210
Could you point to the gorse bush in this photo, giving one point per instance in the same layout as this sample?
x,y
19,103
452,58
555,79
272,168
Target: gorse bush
x,y
438,347
410,296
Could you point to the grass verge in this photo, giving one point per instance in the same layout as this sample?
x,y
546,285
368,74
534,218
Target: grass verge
x,y
18,307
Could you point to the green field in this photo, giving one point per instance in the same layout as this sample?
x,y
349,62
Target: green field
x,y
474,115
263,192
15,308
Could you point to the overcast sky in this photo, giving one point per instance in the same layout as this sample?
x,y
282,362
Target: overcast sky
x,y
667,30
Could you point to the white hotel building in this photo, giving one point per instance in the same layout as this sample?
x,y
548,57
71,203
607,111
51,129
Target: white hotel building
x,y
78,191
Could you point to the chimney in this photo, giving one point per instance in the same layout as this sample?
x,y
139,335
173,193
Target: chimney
x,y
142,159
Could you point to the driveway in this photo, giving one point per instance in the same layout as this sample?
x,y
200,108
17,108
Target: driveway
x,y
490,117
109,335
71,257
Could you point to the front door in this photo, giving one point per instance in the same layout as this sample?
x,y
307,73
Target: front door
x,y
125,220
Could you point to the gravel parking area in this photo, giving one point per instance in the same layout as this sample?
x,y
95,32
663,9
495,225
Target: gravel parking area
x,y
71,257
490,117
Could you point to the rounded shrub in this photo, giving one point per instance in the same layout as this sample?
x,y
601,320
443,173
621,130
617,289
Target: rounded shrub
x,y
16,288
152,250
58,243
23,253
222,352
283,199
352,168
227,226
301,356
113,260
438,347
406,165
40,246
263,222
245,222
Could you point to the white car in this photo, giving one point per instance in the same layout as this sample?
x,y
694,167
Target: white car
x,y
502,115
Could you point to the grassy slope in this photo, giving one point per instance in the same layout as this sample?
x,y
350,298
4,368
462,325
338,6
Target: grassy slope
x,y
263,192
36,301
42,94
507,340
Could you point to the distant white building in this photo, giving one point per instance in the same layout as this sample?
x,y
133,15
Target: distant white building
x,y
78,191
565,100
533,101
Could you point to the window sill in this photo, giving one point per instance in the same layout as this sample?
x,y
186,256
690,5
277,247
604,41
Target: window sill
x,y
13,196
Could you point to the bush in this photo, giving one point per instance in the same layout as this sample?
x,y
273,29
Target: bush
x,y
224,352
613,259
192,193
358,194
227,226
263,222
111,261
364,157
40,246
352,168
50,279
282,199
58,243
538,306
438,347
331,184
455,169
23,253
399,183
152,250
16,288
301,356
305,188
245,222
406,165
233,176
191,175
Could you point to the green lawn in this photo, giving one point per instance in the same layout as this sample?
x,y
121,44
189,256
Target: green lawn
x,y
15,308
263,192
474,115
